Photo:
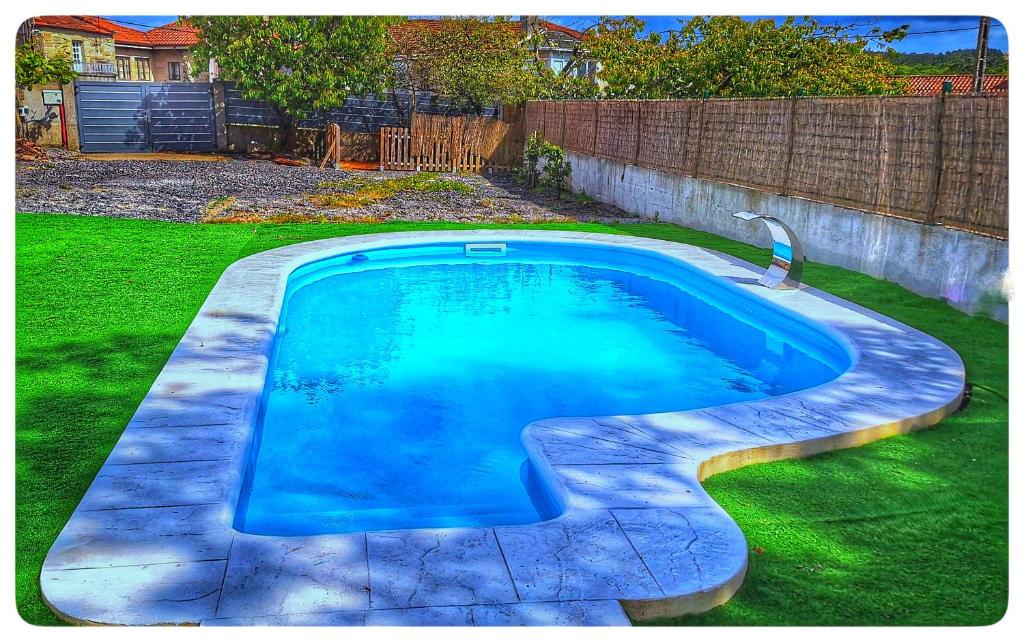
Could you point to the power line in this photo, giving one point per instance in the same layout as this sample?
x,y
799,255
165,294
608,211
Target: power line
x,y
168,27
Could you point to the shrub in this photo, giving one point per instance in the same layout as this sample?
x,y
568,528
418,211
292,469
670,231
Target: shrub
x,y
531,157
557,170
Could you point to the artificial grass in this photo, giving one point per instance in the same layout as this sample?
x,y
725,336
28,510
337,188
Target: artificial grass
x,y
909,530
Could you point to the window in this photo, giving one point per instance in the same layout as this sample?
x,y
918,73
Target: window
x,y
174,71
124,68
586,69
142,66
558,60
76,52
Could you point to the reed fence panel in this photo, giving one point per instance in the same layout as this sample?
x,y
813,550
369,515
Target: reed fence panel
x,y
438,143
973,190
581,126
940,160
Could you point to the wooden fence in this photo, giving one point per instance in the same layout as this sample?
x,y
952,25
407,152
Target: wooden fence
x,y
452,143
936,160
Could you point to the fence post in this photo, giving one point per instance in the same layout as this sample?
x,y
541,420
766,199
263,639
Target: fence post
x,y
790,137
220,116
937,159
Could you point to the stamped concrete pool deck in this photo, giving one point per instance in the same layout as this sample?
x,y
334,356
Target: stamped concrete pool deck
x,y
152,540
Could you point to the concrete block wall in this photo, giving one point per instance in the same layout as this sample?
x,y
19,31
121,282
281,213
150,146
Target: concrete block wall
x,y
965,269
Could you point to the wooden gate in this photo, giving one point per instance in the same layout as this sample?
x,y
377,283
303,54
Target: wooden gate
x,y
438,143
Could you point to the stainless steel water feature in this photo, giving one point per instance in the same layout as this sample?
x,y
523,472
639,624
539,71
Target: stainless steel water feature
x,y
787,256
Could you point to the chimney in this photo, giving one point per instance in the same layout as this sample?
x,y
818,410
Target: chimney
x,y
528,25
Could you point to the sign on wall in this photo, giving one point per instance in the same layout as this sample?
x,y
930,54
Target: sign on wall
x,y
53,97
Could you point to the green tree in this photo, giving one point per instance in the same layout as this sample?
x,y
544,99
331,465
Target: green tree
x,y
564,85
32,68
297,64
727,56
475,62
632,65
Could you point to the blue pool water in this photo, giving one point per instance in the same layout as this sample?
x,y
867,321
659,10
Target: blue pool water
x,y
401,379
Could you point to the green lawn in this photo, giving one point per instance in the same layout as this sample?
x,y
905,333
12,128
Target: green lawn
x,y
909,530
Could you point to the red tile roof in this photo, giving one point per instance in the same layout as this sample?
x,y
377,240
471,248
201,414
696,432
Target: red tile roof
x,y
122,35
71,23
175,34
434,23
563,29
962,84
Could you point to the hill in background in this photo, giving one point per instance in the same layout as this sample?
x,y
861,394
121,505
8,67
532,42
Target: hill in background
x,y
960,61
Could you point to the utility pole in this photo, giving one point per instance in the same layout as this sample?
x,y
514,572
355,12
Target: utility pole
x,y
982,58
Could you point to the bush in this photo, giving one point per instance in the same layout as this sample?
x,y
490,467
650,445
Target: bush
x,y
557,170
531,157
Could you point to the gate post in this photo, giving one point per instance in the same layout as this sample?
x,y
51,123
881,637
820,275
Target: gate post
x,y
220,116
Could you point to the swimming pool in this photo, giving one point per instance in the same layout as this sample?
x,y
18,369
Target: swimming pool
x,y
159,537
401,378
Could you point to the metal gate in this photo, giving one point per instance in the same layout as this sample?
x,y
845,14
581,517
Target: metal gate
x,y
145,116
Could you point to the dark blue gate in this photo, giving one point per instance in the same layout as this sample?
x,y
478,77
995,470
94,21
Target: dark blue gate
x,y
143,116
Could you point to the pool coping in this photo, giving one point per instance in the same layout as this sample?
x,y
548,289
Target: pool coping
x,y
152,541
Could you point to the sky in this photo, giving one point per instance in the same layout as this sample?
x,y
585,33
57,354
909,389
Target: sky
x,y
953,32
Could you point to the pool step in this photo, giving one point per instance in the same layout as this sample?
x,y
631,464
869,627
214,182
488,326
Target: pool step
x,y
390,518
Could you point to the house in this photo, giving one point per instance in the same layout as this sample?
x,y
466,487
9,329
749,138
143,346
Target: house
x,y
106,51
100,50
556,46
994,84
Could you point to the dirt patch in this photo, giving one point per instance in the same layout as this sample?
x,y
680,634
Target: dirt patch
x,y
240,190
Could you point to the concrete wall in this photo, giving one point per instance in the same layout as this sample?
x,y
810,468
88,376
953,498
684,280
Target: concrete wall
x,y
965,269
47,131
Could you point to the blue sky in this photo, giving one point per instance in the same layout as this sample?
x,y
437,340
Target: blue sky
x,y
965,36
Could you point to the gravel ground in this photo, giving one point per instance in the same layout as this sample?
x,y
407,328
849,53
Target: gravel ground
x,y
241,189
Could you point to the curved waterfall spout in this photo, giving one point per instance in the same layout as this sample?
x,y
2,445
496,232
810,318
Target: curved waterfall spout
x,y
787,256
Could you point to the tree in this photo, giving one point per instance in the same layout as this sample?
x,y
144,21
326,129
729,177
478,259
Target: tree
x,y
33,68
632,65
727,56
565,85
297,64
474,62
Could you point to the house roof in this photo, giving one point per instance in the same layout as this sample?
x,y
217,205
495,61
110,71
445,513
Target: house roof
x,y
71,23
122,35
434,23
962,84
551,26
174,34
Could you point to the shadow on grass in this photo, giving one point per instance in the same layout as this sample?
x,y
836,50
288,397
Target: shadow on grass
x,y
911,530
74,400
